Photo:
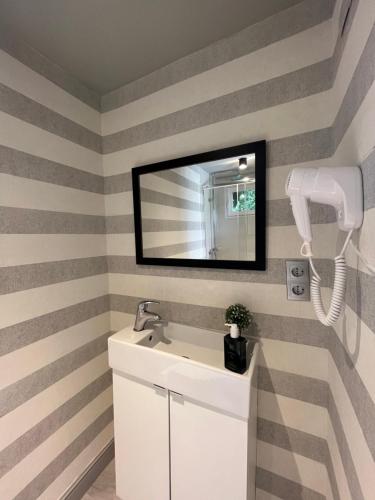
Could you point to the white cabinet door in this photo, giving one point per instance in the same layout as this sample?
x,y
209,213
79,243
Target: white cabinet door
x,y
141,415
208,453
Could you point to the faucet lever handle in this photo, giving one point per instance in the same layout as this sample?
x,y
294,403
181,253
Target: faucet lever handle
x,y
145,303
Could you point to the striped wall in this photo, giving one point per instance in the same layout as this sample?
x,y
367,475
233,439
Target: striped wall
x,y
55,394
307,89
67,246
167,197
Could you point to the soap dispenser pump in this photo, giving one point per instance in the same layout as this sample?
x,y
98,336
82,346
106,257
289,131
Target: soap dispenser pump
x,y
235,350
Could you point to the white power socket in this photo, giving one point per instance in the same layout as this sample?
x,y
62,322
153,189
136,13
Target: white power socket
x,y
298,279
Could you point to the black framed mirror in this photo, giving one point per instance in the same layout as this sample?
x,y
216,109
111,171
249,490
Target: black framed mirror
x,y
204,210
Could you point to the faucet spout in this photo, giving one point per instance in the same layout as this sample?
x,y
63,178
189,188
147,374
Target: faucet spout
x,y
144,315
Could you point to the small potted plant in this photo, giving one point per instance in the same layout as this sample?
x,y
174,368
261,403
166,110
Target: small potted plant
x,y
239,315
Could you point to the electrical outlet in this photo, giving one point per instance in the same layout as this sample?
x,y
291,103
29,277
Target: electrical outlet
x,y
298,280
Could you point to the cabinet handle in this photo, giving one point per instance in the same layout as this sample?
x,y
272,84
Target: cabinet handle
x,y
179,398
159,389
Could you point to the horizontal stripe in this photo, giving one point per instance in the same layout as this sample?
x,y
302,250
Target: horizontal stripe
x,y
175,177
275,272
308,473
40,327
323,147
20,249
120,320
31,194
119,204
158,184
290,54
118,183
158,239
43,66
24,417
39,354
284,488
172,250
118,224
298,147
357,444
19,392
24,445
53,468
348,44
325,238
358,134
212,293
298,415
300,442
292,86
317,144
279,213
303,443
346,457
358,342
34,463
277,327
27,304
360,290
25,165
124,224
24,80
360,84
16,278
150,196
37,114
286,23
293,386
193,315
308,361
31,221
164,212
62,485
363,404
199,253
22,136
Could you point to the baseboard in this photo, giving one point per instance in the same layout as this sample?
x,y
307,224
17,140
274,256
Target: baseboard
x,y
87,478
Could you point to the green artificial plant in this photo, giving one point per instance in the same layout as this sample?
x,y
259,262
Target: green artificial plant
x,y
239,315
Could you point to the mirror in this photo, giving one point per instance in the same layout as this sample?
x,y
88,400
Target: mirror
x,y
205,210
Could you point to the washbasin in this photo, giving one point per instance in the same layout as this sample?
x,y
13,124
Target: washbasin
x,y
185,360
203,346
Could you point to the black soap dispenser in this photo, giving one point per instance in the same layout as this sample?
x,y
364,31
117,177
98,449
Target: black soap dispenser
x,y
235,350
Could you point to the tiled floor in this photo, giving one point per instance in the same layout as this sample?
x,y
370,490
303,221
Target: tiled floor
x,y
104,486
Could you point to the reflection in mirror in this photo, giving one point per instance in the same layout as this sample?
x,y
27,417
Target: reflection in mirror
x,y
200,211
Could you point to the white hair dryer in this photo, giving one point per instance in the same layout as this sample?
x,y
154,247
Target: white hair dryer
x,y
340,187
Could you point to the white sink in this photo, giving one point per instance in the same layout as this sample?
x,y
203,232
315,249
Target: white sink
x,y
185,360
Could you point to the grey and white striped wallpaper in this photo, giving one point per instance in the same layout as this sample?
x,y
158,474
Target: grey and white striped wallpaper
x,y
55,395
67,247
168,197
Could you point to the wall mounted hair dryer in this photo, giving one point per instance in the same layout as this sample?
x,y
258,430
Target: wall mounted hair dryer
x,y
340,187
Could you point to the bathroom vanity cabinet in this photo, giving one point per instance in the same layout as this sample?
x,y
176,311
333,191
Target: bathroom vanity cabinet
x,y
178,432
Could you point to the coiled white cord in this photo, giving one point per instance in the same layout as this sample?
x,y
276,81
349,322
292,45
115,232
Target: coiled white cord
x,y
338,292
339,284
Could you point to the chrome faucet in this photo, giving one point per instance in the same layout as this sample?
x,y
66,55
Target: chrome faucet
x,y
144,315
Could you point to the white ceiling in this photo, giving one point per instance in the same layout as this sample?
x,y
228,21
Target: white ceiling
x,y
107,43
